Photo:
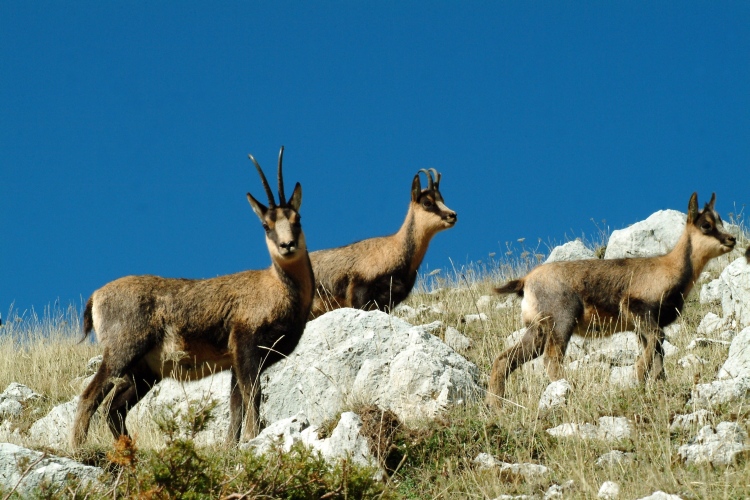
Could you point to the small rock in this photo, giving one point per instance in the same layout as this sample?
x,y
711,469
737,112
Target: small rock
x,y
727,335
404,311
672,330
484,302
514,337
471,318
691,360
711,292
31,469
614,428
710,324
456,340
528,472
609,490
583,431
696,419
717,446
615,458
623,376
656,235
660,495
53,429
10,408
705,342
94,363
555,395
559,490
735,295
738,361
720,392
669,349
510,301
19,392
572,250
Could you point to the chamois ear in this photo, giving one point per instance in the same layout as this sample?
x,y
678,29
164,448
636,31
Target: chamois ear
x,y
416,188
259,209
693,208
710,204
296,199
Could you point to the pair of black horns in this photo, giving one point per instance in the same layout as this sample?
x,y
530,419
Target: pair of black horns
x,y
432,182
269,193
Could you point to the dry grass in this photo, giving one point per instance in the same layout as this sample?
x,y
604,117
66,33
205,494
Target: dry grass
x,y
435,460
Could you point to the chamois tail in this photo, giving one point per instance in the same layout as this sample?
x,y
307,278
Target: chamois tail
x,y
88,320
515,286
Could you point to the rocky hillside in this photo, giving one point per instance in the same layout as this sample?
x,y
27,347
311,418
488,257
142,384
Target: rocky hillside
x,y
399,398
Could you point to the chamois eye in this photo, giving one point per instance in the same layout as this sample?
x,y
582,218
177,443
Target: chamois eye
x,y
706,226
427,203
265,227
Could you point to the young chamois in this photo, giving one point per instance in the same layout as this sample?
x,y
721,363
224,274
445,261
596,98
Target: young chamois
x,y
602,297
379,273
154,327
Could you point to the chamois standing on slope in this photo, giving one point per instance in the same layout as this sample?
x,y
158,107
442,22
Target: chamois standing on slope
x,y
154,327
602,297
379,273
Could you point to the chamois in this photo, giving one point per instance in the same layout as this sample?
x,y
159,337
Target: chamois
x,y
602,297
379,273
153,327
747,255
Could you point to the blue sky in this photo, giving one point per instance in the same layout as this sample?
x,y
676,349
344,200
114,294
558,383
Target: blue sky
x,y
125,126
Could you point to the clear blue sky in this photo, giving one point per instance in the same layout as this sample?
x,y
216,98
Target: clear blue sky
x,y
125,126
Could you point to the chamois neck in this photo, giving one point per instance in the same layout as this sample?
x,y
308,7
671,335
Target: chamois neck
x,y
298,273
686,257
414,237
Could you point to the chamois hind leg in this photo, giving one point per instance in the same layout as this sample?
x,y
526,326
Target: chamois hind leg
x,y
557,345
133,386
529,347
90,400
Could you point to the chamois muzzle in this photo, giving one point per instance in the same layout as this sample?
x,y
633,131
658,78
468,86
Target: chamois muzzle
x,y
728,242
287,249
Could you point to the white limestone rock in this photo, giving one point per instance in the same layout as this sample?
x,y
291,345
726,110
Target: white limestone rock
x,y
698,418
283,433
19,392
527,471
581,431
93,364
738,362
673,330
615,458
609,490
735,292
656,235
623,376
710,324
456,340
717,446
660,495
555,395
669,349
720,392
691,361
559,490
711,292
484,302
54,428
572,250
47,470
706,342
609,429
472,318
350,356
10,408
172,398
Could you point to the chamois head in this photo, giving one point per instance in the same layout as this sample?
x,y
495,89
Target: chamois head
x,y
709,236
281,222
429,203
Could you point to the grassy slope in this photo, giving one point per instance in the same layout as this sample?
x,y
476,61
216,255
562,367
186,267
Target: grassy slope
x,y
435,459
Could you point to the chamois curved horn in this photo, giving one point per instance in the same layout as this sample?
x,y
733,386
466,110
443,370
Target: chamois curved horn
x,y
282,198
429,178
437,177
269,193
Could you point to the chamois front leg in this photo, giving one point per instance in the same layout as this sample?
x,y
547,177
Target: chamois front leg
x,y
236,410
247,371
651,362
529,347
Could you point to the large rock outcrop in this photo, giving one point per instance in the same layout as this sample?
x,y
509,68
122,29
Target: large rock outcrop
x,y
348,356
656,235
